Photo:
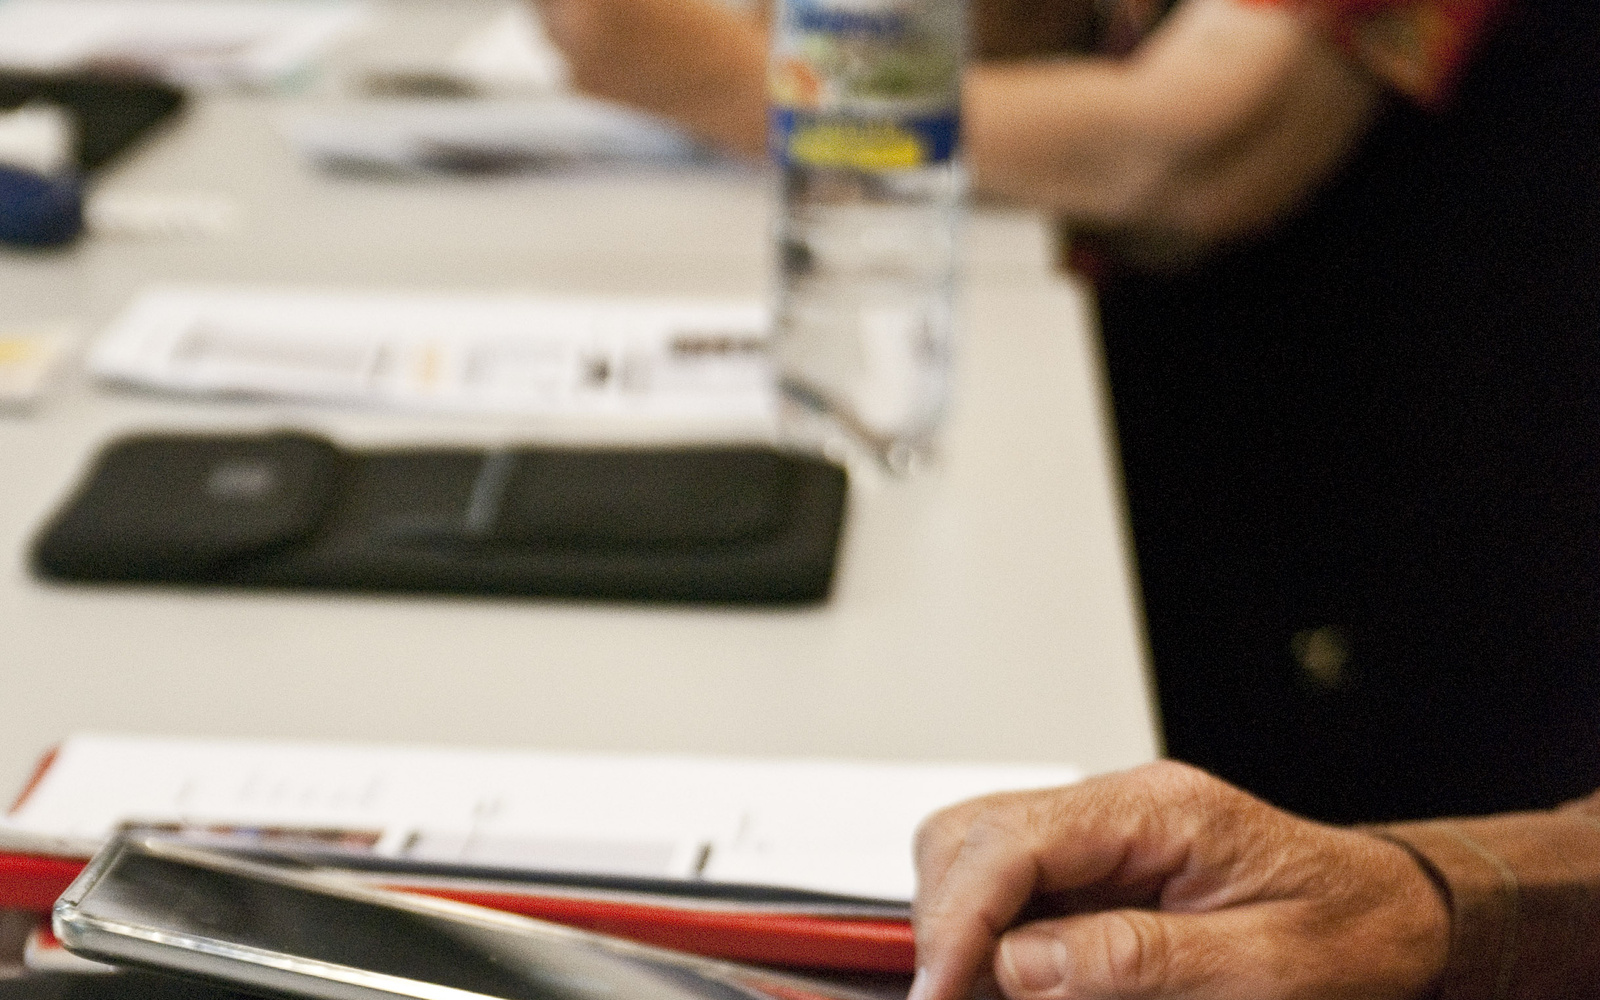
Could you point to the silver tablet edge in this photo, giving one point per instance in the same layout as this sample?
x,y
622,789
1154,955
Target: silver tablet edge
x,y
219,960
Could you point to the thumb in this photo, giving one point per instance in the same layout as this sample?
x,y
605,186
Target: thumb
x,y
1142,954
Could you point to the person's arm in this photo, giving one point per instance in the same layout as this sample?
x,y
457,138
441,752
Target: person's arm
x,y
697,62
1524,893
1222,121
1163,882
702,63
1218,125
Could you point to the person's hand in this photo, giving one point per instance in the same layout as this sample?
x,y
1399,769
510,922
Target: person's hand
x,y
697,62
1225,120
1163,882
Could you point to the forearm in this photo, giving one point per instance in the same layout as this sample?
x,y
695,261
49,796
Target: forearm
x,y
1056,132
1222,122
1524,893
702,63
1225,118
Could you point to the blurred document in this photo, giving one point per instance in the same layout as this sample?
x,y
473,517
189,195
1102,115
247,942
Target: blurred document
x,y
253,43
433,134
517,354
827,826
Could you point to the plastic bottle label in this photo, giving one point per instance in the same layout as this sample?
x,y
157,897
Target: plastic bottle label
x,y
866,85
871,145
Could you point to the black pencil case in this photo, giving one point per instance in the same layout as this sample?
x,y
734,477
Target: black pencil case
x,y
289,510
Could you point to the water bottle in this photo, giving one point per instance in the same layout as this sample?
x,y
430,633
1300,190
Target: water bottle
x,y
865,99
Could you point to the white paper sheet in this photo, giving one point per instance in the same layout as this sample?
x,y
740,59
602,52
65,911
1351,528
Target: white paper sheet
x,y
426,134
829,826
516,354
254,43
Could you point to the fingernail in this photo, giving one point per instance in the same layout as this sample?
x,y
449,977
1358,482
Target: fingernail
x,y
921,983
1037,963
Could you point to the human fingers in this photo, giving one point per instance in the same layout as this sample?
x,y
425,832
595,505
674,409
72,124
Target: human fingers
x,y
979,864
1131,954
1138,954
938,841
1340,914
1315,947
984,845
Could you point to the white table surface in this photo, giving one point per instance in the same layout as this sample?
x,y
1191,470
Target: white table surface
x,y
983,611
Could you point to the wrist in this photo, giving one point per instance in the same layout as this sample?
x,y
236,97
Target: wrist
x,y
1423,908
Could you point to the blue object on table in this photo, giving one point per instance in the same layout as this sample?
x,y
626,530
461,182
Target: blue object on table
x,y
39,211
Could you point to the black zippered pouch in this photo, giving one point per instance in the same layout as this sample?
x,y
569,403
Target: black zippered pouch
x,y
738,524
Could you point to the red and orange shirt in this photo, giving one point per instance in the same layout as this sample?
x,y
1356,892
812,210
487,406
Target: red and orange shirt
x,y
1418,47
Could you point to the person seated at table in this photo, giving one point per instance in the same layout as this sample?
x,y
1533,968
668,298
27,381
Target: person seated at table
x,y
1165,883
1348,264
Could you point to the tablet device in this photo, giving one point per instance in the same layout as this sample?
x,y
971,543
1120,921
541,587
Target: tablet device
x,y
279,931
